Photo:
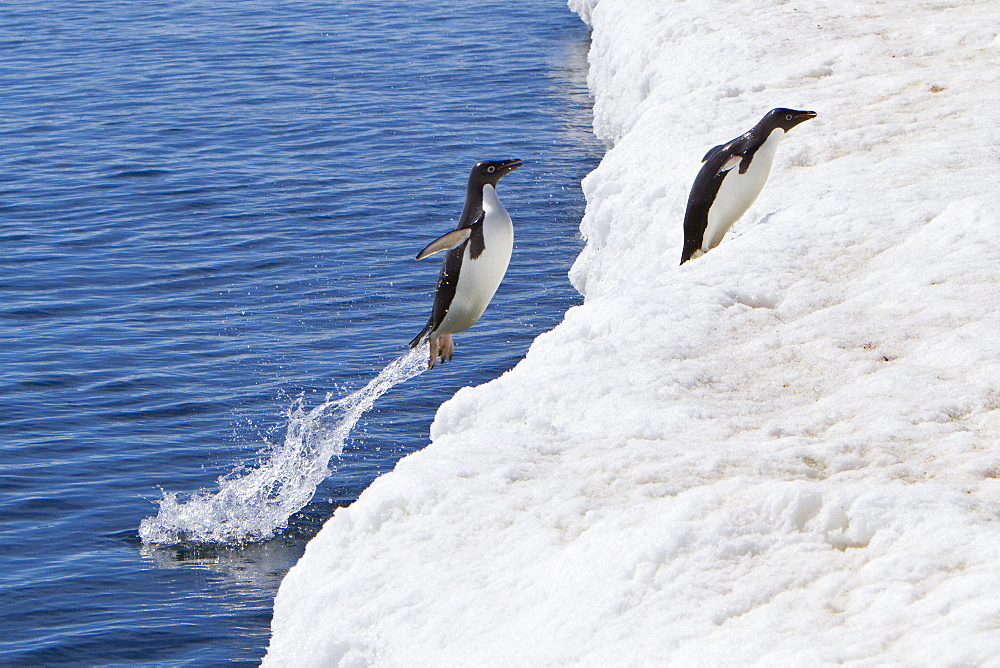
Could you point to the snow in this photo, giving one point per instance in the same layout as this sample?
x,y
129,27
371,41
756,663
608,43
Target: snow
x,y
783,451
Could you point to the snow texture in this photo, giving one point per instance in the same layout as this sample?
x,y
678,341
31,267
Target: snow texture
x,y
785,451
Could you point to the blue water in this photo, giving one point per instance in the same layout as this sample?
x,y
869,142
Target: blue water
x,y
208,214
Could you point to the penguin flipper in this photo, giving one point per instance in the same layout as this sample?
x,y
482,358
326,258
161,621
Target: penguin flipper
x,y
719,152
733,160
712,151
734,147
446,242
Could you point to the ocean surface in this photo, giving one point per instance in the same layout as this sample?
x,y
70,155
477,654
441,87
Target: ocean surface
x,y
208,216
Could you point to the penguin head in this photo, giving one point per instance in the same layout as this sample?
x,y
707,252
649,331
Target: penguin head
x,y
491,171
786,119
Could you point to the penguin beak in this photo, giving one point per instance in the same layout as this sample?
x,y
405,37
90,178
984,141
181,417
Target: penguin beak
x,y
509,166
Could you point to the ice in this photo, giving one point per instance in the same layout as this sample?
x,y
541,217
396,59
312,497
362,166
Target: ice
x,y
785,451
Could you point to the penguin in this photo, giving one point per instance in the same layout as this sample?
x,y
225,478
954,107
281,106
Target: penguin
x,y
732,178
479,251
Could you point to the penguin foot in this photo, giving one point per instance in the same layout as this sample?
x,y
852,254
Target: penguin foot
x,y
442,347
447,347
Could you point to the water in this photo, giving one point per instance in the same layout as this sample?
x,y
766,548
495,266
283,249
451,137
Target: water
x,y
208,214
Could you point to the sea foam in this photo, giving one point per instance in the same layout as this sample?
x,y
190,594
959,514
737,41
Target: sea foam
x,y
253,504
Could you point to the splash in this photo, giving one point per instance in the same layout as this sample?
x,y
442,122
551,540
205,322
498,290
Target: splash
x,y
252,505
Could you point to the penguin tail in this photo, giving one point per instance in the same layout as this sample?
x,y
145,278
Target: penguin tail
x,y
690,246
419,338
690,254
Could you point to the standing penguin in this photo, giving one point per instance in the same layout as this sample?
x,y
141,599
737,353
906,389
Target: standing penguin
x,y
478,254
721,194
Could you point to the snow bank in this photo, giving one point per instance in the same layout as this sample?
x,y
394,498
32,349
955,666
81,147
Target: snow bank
x,y
784,450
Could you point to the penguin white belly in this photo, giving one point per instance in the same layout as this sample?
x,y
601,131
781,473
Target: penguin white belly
x,y
479,278
739,191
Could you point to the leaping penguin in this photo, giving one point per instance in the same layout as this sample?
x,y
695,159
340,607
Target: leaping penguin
x,y
478,254
721,194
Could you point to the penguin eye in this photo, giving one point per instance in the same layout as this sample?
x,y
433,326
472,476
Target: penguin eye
x,y
788,117
491,168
